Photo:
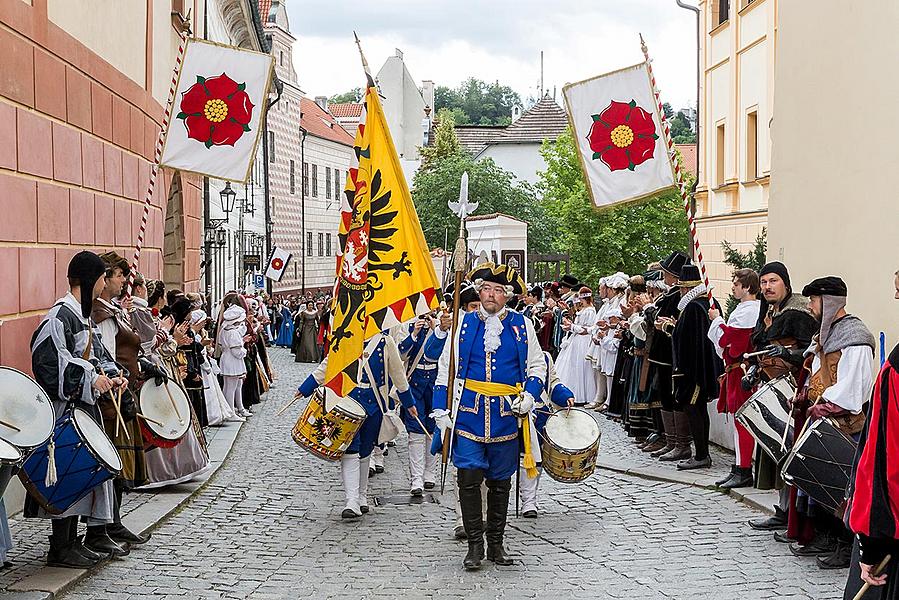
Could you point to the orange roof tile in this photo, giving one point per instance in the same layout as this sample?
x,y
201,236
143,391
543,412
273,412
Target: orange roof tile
x,y
688,152
346,109
322,124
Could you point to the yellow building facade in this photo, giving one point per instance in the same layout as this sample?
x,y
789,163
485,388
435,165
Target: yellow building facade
x,y
737,58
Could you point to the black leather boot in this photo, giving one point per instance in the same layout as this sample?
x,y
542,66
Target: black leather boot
x,y
742,477
497,509
726,478
777,521
63,551
119,533
469,481
98,540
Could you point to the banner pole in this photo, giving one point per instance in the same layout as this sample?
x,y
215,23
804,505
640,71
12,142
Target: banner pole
x,y
678,172
157,156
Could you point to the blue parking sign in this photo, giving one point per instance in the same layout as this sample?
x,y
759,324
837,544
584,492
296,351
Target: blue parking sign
x,y
259,281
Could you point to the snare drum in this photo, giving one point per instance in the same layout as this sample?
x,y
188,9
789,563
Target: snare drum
x,y
570,445
84,458
328,434
167,409
766,414
9,454
820,463
26,413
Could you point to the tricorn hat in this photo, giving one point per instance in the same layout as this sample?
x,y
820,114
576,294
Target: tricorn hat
x,y
501,274
674,262
467,293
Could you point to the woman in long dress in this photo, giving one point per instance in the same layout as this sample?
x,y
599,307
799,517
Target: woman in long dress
x,y
285,333
307,346
574,371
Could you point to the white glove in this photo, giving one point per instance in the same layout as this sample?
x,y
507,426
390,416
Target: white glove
x,y
442,419
522,404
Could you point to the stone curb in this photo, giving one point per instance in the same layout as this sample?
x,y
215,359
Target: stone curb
x,y
761,500
50,582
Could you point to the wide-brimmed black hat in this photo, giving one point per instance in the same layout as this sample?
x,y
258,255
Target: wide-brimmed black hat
x,y
826,286
570,281
689,276
674,262
501,274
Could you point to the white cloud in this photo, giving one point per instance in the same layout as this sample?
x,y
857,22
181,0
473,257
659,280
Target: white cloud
x,y
499,40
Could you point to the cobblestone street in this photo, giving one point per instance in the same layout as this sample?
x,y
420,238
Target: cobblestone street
x,y
268,526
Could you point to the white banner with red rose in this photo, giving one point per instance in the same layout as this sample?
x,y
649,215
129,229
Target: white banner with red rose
x,y
619,136
277,263
216,117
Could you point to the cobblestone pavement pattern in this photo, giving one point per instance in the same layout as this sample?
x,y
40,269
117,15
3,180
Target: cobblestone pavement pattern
x,y
268,526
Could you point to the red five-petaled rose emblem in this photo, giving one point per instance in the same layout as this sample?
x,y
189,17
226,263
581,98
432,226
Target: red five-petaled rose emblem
x,y
277,264
216,111
622,136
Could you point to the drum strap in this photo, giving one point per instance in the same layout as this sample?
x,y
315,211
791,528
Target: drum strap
x,y
90,339
415,361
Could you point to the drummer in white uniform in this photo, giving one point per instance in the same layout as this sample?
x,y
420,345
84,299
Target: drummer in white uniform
x,y
555,396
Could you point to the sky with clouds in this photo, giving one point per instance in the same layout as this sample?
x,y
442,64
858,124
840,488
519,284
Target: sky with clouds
x,y
448,42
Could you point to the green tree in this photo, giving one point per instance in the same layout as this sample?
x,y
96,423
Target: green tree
x,y
681,132
354,95
625,238
475,102
496,189
755,258
446,143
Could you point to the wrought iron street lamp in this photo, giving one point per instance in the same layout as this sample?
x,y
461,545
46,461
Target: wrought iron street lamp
x,y
228,197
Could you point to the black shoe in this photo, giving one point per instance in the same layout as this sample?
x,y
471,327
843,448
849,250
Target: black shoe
x,y
777,521
364,509
742,477
379,469
430,485
349,513
79,546
694,463
67,555
838,559
459,533
472,561
783,538
417,493
120,533
371,471
821,545
99,541
498,555
6,564
726,478
529,514
390,445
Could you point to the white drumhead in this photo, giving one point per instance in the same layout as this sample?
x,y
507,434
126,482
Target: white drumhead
x,y
347,405
9,453
572,430
155,404
96,438
25,406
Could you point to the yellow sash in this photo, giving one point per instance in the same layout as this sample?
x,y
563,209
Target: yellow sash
x,y
492,389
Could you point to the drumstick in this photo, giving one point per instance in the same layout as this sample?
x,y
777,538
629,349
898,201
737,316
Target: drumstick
x,y
281,410
10,425
877,571
174,405
146,418
420,424
118,409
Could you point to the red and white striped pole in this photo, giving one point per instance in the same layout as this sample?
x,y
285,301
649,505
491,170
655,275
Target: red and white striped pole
x,y
678,172
157,156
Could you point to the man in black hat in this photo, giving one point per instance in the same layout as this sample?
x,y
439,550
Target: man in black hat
x,y
675,423
500,373
841,377
786,326
72,366
696,366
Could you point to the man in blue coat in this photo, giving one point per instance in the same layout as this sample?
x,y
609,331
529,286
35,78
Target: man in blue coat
x,y
385,367
499,372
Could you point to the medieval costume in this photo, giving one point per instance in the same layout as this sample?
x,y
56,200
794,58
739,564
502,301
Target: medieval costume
x,y
732,340
840,357
306,333
67,358
285,331
874,487
696,365
231,363
190,355
675,424
574,371
422,373
500,373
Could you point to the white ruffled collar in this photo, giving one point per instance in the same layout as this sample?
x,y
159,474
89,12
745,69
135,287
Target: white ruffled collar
x,y
690,296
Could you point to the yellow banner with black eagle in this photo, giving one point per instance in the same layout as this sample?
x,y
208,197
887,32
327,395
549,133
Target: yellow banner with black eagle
x,y
384,271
